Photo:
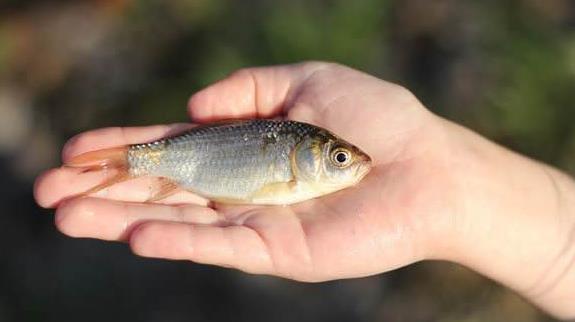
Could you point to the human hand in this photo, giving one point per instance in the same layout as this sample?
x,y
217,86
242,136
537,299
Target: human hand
x,y
376,226
420,201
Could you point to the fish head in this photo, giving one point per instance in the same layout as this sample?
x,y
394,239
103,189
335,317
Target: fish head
x,y
330,163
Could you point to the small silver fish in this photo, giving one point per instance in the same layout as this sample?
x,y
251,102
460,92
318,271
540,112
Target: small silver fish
x,y
268,162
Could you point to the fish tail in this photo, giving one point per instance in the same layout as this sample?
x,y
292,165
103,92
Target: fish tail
x,y
101,159
113,158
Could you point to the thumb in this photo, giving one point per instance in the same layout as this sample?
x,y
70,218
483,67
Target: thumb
x,y
259,92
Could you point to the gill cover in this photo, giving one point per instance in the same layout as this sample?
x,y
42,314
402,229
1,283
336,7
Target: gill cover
x,y
306,160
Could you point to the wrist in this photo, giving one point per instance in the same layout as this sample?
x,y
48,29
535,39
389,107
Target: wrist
x,y
516,222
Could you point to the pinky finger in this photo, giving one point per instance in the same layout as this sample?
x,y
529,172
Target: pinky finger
x,y
232,246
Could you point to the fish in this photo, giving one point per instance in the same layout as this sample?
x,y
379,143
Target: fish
x,y
259,162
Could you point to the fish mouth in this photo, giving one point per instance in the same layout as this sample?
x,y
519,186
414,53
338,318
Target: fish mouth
x,y
365,165
365,160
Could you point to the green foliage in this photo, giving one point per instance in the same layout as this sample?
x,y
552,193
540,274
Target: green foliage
x,y
531,103
351,33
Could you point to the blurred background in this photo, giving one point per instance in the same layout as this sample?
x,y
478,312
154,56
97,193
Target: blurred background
x,y
505,68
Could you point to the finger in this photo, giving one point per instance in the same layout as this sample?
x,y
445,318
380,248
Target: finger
x,y
231,246
113,220
250,93
56,185
118,136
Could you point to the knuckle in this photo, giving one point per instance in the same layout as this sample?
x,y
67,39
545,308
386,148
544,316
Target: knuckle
x,y
404,92
320,64
317,66
243,73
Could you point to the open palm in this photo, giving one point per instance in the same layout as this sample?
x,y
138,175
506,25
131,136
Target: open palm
x,y
398,214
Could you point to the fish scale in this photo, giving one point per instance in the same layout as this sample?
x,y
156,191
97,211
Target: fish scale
x,y
218,160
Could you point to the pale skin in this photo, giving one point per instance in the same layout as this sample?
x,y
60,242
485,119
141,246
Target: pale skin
x,y
436,191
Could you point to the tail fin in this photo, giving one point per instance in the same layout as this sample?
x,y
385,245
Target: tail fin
x,y
101,159
113,158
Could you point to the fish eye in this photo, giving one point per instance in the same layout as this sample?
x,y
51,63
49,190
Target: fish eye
x,y
340,157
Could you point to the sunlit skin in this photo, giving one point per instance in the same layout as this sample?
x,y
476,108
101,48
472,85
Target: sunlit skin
x,y
436,191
